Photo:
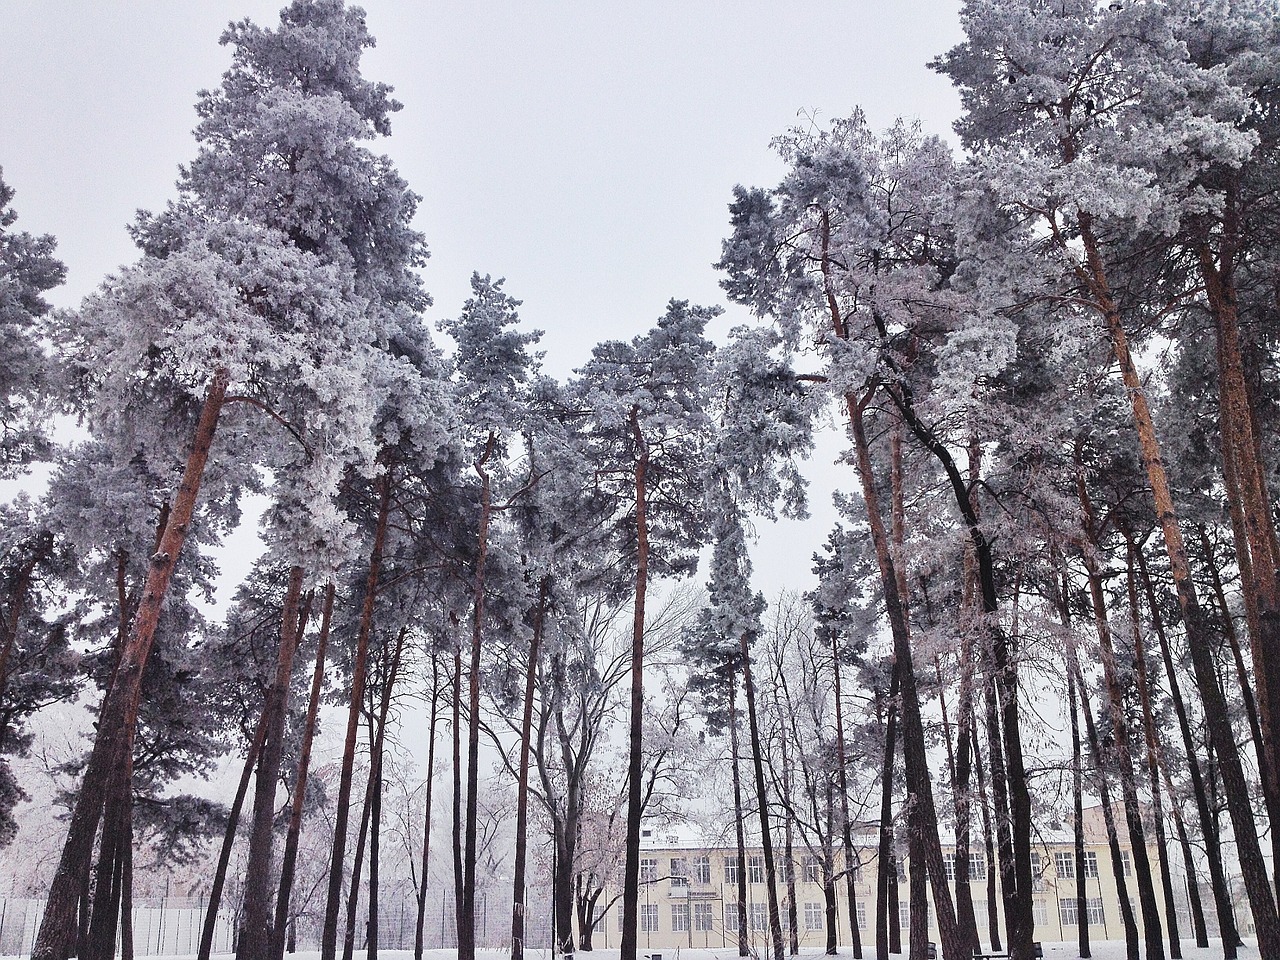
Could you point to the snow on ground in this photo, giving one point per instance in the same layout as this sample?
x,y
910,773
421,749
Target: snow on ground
x,y
1102,950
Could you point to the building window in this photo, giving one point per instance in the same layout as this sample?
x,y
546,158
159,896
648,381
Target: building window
x,y
759,917
702,870
1067,911
731,916
1091,864
811,868
1127,861
648,869
1093,910
703,917
784,916
949,866
679,874
980,914
1040,912
977,866
731,871
680,917
1037,874
904,914
813,913
1065,863
862,915
755,869
648,918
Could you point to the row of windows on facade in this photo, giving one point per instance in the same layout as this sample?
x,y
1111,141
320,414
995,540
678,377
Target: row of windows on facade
x,y
680,874
703,915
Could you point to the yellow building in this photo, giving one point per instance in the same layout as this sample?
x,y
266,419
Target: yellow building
x,y
689,892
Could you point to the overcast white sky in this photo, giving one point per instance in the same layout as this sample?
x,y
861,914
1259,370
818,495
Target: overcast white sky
x,y
585,151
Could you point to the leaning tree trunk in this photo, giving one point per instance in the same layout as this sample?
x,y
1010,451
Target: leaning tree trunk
x,y
1199,639
119,715
228,841
418,941
1122,754
631,869
1153,762
522,789
256,936
357,865
1212,840
962,768
359,671
289,860
918,896
390,676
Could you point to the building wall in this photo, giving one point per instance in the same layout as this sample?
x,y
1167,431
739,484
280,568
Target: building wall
x,y
688,897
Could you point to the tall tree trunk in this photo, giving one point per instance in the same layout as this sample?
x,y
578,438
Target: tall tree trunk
x,y
522,789
418,941
357,865
1188,863
119,715
913,746
1199,639
256,937
288,861
1077,828
789,858
962,767
918,896
359,671
740,816
886,875
993,913
846,827
1208,830
631,870
1123,755
762,799
456,835
467,909
1241,452
1104,795
1153,763
389,676
228,841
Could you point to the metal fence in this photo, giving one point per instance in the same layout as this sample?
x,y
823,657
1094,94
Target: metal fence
x,y
168,926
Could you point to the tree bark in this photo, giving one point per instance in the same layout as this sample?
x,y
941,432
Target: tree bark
x,y
631,870
740,815
886,875
342,812
119,714
1252,866
357,865
1208,830
288,862
1077,828
256,936
993,913
418,941
522,779
846,827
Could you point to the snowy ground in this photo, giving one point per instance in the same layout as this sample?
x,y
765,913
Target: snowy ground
x,y
1102,950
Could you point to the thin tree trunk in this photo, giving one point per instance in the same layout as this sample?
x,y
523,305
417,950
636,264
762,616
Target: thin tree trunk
x,y
359,670
522,785
885,944
1153,765
846,827
228,841
631,870
256,937
390,676
1208,830
1077,828
119,715
993,913
288,862
467,911
740,816
418,941
357,866
962,767
1188,864
457,784
762,797
1123,756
